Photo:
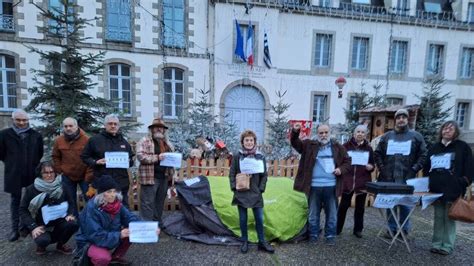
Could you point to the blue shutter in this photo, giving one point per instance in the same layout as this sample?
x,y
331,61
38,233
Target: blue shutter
x,y
118,20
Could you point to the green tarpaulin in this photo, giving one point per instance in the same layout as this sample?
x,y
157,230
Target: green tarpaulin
x,y
285,210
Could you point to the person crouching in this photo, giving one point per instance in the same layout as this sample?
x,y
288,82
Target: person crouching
x,y
36,211
104,224
252,196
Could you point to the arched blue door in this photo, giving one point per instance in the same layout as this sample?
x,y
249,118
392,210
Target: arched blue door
x,y
244,106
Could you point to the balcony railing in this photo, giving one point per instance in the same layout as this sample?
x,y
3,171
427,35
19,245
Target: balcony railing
x,y
7,23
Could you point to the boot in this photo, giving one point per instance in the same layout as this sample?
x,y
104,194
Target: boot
x,y
264,246
245,247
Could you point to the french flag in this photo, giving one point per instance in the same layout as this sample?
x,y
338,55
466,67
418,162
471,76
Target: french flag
x,y
249,47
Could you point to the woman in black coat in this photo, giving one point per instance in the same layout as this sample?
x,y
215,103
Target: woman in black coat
x,y
450,169
251,197
42,196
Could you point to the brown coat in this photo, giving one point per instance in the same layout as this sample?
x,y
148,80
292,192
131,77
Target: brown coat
x,y
309,150
66,157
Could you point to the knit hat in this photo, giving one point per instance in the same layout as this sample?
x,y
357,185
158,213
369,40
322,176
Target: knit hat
x,y
401,112
104,183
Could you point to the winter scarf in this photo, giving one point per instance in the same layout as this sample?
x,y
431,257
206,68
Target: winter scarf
x,y
112,208
73,136
53,189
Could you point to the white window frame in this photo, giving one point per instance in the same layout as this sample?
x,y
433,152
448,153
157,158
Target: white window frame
x,y
434,66
470,12
361,64
325,46
173,81
4,83
120,78
462,114
397,64
320,105
389,100
467,63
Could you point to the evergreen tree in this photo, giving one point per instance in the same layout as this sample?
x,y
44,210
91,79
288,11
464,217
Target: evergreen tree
x,y
362,100
431,114
63,87
199,121
278,129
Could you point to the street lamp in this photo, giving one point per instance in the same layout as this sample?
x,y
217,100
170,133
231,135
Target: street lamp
x,y
340,83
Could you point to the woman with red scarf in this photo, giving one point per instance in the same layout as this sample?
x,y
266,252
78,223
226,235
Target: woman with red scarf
x,y
250,197
104,225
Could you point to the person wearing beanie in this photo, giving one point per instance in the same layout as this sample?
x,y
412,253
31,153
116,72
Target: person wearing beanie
x,y
400,154
104,233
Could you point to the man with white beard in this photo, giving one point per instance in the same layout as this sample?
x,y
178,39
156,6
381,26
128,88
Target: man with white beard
x,y
152,176
322,164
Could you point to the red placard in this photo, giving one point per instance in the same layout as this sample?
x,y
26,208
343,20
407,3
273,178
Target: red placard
x,y
306,125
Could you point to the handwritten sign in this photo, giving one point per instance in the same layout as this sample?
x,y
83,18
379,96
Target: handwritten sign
x,y
251,166
441,161
387,201
116,159
172,159
53,212
143,232
420,184
328,164
359,158
399,147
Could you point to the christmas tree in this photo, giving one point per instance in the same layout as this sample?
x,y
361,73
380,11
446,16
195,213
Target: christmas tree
x,y
431,113
278,129
63,87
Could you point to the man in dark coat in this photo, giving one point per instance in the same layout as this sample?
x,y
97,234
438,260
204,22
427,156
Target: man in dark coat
x,y
109,140
322,164
401,153
21,149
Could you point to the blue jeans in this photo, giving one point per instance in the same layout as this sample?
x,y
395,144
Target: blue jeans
x,y
258,215
319,198
71,188
403,212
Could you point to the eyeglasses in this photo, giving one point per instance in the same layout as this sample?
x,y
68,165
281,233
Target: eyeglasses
x,y
48,173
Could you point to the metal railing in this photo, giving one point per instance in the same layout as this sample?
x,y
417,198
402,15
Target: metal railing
x,y
7,23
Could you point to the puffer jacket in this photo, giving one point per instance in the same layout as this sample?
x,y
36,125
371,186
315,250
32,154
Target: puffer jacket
x,y
98,228
451,182
358,176
398,168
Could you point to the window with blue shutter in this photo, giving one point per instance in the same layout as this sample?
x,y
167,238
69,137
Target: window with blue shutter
x,y
56,7
173,28
119,20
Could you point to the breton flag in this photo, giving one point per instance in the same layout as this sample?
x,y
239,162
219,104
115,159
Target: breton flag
x,y
266,52
249,50
239,46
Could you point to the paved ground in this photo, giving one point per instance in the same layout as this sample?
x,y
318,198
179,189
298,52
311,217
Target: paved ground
x,y
348,250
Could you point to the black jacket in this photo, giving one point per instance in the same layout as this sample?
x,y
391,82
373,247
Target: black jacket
x,y
451,182
95,150
398,168
25,216
21,157
251,198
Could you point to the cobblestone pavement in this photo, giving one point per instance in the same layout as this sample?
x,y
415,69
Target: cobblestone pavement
x,y
348,249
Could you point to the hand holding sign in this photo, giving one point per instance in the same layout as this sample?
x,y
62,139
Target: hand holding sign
x,y
144,232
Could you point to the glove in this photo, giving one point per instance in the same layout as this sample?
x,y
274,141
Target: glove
x,y
91,191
